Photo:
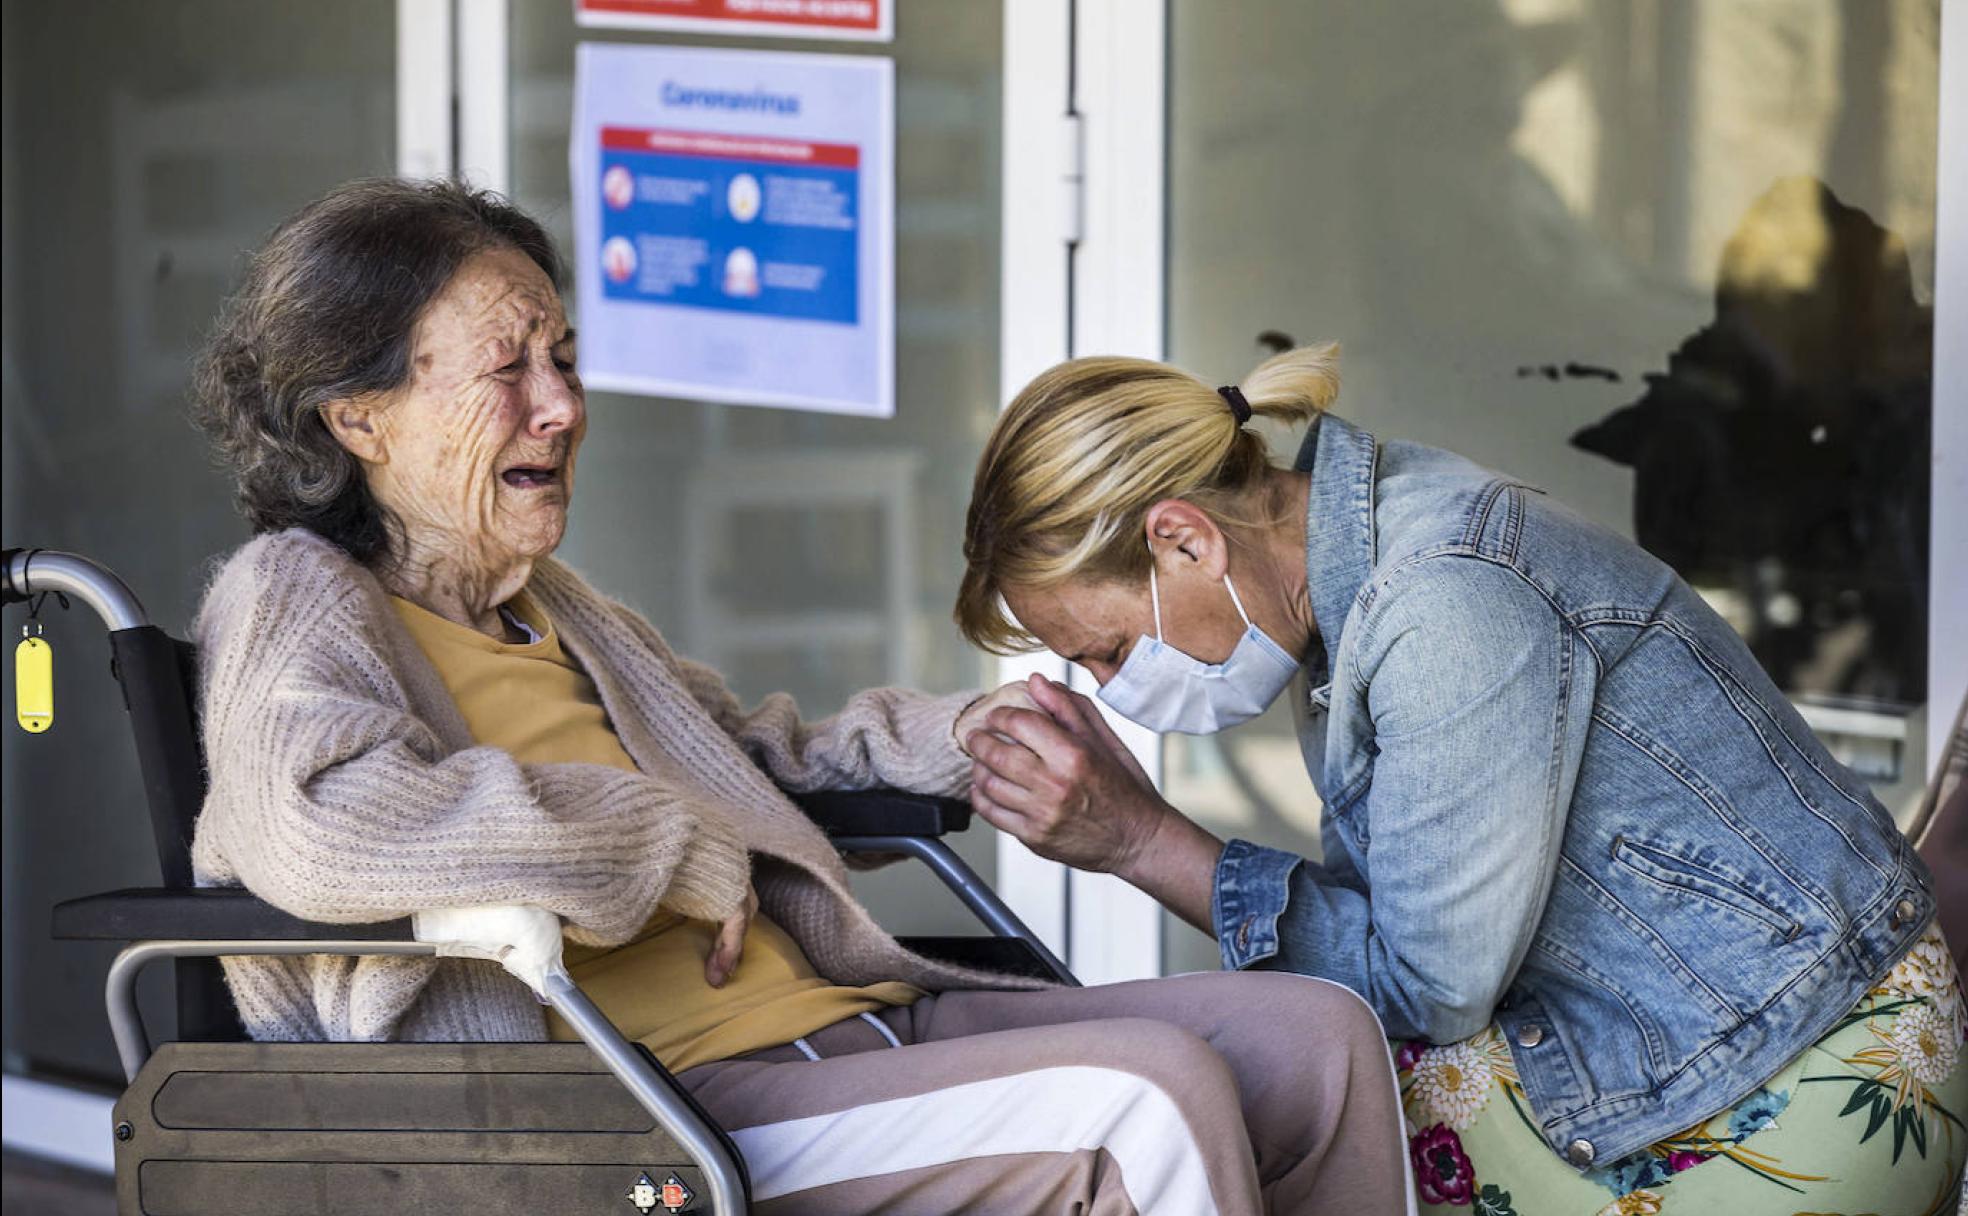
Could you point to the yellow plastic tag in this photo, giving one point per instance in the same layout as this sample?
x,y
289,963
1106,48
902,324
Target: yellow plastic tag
x,y
34,684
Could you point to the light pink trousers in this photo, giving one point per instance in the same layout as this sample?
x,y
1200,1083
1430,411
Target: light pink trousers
x,y
1211,1093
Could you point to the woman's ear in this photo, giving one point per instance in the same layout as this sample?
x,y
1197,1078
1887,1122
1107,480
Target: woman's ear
x,y
356,426
1180,532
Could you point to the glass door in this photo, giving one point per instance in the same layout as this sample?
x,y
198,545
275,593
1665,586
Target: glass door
x,y
1674,263
146,148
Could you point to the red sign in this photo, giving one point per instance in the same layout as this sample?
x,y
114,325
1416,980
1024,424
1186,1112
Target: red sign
x,y
731,147
859,19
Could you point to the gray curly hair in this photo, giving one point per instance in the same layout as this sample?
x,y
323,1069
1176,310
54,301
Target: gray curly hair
x,y
325,313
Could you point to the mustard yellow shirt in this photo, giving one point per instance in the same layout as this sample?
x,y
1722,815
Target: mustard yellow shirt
x,y
534,701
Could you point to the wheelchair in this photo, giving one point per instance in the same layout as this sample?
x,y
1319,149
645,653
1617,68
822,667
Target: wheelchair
x,y
212,1122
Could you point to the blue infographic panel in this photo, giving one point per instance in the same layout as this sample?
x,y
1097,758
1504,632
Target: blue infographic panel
x,y
734,226
686,221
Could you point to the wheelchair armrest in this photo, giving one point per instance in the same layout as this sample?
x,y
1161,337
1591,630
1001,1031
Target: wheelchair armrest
x,y
1008,955
201,914
883,813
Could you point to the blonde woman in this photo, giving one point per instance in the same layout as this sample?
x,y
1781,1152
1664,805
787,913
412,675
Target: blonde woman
x,y
1645,946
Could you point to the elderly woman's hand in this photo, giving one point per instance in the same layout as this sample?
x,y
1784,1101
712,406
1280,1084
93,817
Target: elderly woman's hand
x,y
730,944
1016,694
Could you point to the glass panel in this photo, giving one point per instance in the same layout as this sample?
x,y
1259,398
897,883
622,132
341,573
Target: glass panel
x,y
1672,262
813,554
146,146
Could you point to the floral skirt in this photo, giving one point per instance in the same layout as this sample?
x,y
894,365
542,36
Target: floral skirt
x,y
1866,1120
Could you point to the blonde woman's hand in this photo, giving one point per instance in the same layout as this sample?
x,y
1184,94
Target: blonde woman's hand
x,y
1015,695
730,944
1061,781
1082,718
1049,776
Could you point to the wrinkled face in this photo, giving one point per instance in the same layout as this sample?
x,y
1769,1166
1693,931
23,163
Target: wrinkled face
x,y
476,449
1096,623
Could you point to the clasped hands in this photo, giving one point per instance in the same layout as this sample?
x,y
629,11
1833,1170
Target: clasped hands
x,y
1048,769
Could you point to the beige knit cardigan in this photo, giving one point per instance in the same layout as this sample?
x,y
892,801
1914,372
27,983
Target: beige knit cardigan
x,y
346,787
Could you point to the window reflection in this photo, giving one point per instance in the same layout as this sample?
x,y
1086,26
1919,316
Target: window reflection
x,y
1781,461
1690,234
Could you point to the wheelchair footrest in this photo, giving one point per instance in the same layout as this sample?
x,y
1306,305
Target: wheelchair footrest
x,y
354,1129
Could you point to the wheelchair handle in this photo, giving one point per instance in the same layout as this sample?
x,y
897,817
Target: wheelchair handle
x,y
26,573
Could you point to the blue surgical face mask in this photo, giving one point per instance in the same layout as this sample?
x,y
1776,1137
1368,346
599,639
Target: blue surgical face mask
x,y
1164,689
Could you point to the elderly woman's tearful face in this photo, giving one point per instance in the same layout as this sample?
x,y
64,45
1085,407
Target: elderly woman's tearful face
x,y
474,453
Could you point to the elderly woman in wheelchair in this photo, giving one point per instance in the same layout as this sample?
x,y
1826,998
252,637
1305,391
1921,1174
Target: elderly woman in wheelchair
x,y
410,707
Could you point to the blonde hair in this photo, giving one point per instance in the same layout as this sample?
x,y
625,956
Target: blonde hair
x,y
1066,480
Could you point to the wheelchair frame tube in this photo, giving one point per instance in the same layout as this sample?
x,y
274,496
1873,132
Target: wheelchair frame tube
x,y
976,894
120,988
30,572
659,1094
656,1092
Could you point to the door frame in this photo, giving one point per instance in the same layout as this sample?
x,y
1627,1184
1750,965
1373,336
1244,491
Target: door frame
x,y
1947,648
1082,273
1039,228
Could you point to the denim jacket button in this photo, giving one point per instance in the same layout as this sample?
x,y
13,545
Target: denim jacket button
x,y
1902,913
1243,935
1580,1153
1530,1035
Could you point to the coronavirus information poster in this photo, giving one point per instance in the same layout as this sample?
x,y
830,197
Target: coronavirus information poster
x,y
734,226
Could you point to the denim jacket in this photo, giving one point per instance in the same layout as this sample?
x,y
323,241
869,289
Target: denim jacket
x,y
1560,794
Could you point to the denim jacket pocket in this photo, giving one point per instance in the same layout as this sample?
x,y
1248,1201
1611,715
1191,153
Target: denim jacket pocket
x,y
1347,815
1691,877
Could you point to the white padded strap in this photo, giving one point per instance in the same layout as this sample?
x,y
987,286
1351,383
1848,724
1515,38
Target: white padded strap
x,y
523,939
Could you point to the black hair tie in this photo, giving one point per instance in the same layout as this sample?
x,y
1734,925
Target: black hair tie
x,y
1234,398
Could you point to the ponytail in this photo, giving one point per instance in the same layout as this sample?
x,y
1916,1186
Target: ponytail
x,y
1295,386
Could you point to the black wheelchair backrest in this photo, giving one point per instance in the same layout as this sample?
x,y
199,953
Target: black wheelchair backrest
x,y
159,675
